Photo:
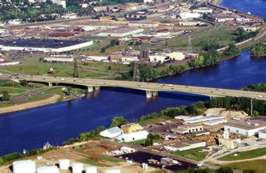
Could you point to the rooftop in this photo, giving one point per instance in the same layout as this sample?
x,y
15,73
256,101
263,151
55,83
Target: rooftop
x,y
248,124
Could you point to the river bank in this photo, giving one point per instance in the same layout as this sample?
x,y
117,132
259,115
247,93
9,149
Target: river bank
x,y
29,105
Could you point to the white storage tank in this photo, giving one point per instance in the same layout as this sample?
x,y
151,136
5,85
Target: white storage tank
x,y
64,164
48,169
23,166
113,171
77,168
91,169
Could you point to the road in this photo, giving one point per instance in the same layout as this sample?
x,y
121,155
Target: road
x,y
145,86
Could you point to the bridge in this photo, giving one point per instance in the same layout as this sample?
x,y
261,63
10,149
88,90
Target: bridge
x,y
150,88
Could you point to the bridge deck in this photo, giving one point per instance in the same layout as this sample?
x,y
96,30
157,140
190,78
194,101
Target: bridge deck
x,y
145,86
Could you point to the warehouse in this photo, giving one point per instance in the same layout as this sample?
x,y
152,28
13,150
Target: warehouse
x,y
245,127
134,136
121,32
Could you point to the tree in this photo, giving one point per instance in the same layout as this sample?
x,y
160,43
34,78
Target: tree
x,y
232,50
5,96
118,121
259,50
24,83
149,140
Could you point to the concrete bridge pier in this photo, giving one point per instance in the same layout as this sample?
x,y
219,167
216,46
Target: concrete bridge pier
x,y
50,84
92,89
151,94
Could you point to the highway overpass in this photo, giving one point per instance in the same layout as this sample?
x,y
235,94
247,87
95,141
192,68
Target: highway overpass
x,y
151,88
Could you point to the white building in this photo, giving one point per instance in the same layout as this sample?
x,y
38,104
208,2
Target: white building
x,y
129,59
185,146
203,10
188,129
43,49
206,120
245,127
176,56
60,2
134,136
112,132
189,15
97,58
262,134
58,59
121,32
159,58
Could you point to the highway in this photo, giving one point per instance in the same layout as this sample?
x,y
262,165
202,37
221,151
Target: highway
x,y
145,86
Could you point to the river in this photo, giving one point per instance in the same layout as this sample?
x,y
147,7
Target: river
x,y
56,123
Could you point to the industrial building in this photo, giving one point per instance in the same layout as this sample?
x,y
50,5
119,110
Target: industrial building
x,y
185,146
206,120
134,136
246,128
188,129
121,32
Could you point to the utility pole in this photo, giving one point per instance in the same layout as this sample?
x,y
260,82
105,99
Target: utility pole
x,y
189,45
251,107
76,70
136,75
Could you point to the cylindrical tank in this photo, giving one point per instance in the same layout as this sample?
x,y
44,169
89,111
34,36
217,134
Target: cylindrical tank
x,y
23,166
64,164
113,171
91,169
77,168
48,169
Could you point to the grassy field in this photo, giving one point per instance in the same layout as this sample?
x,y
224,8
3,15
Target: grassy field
x,y
259,166
32,92
92,69
194,154
245,155
219,34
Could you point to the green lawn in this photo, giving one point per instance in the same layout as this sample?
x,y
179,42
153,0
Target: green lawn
x,y
245,155
91,69
195,154
259,166
111,159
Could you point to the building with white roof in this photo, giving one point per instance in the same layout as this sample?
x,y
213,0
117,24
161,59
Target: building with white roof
x,y
206,120
134,136
112,132
246,128
203,10
189,15
58,59
159,58
121,32
176,56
